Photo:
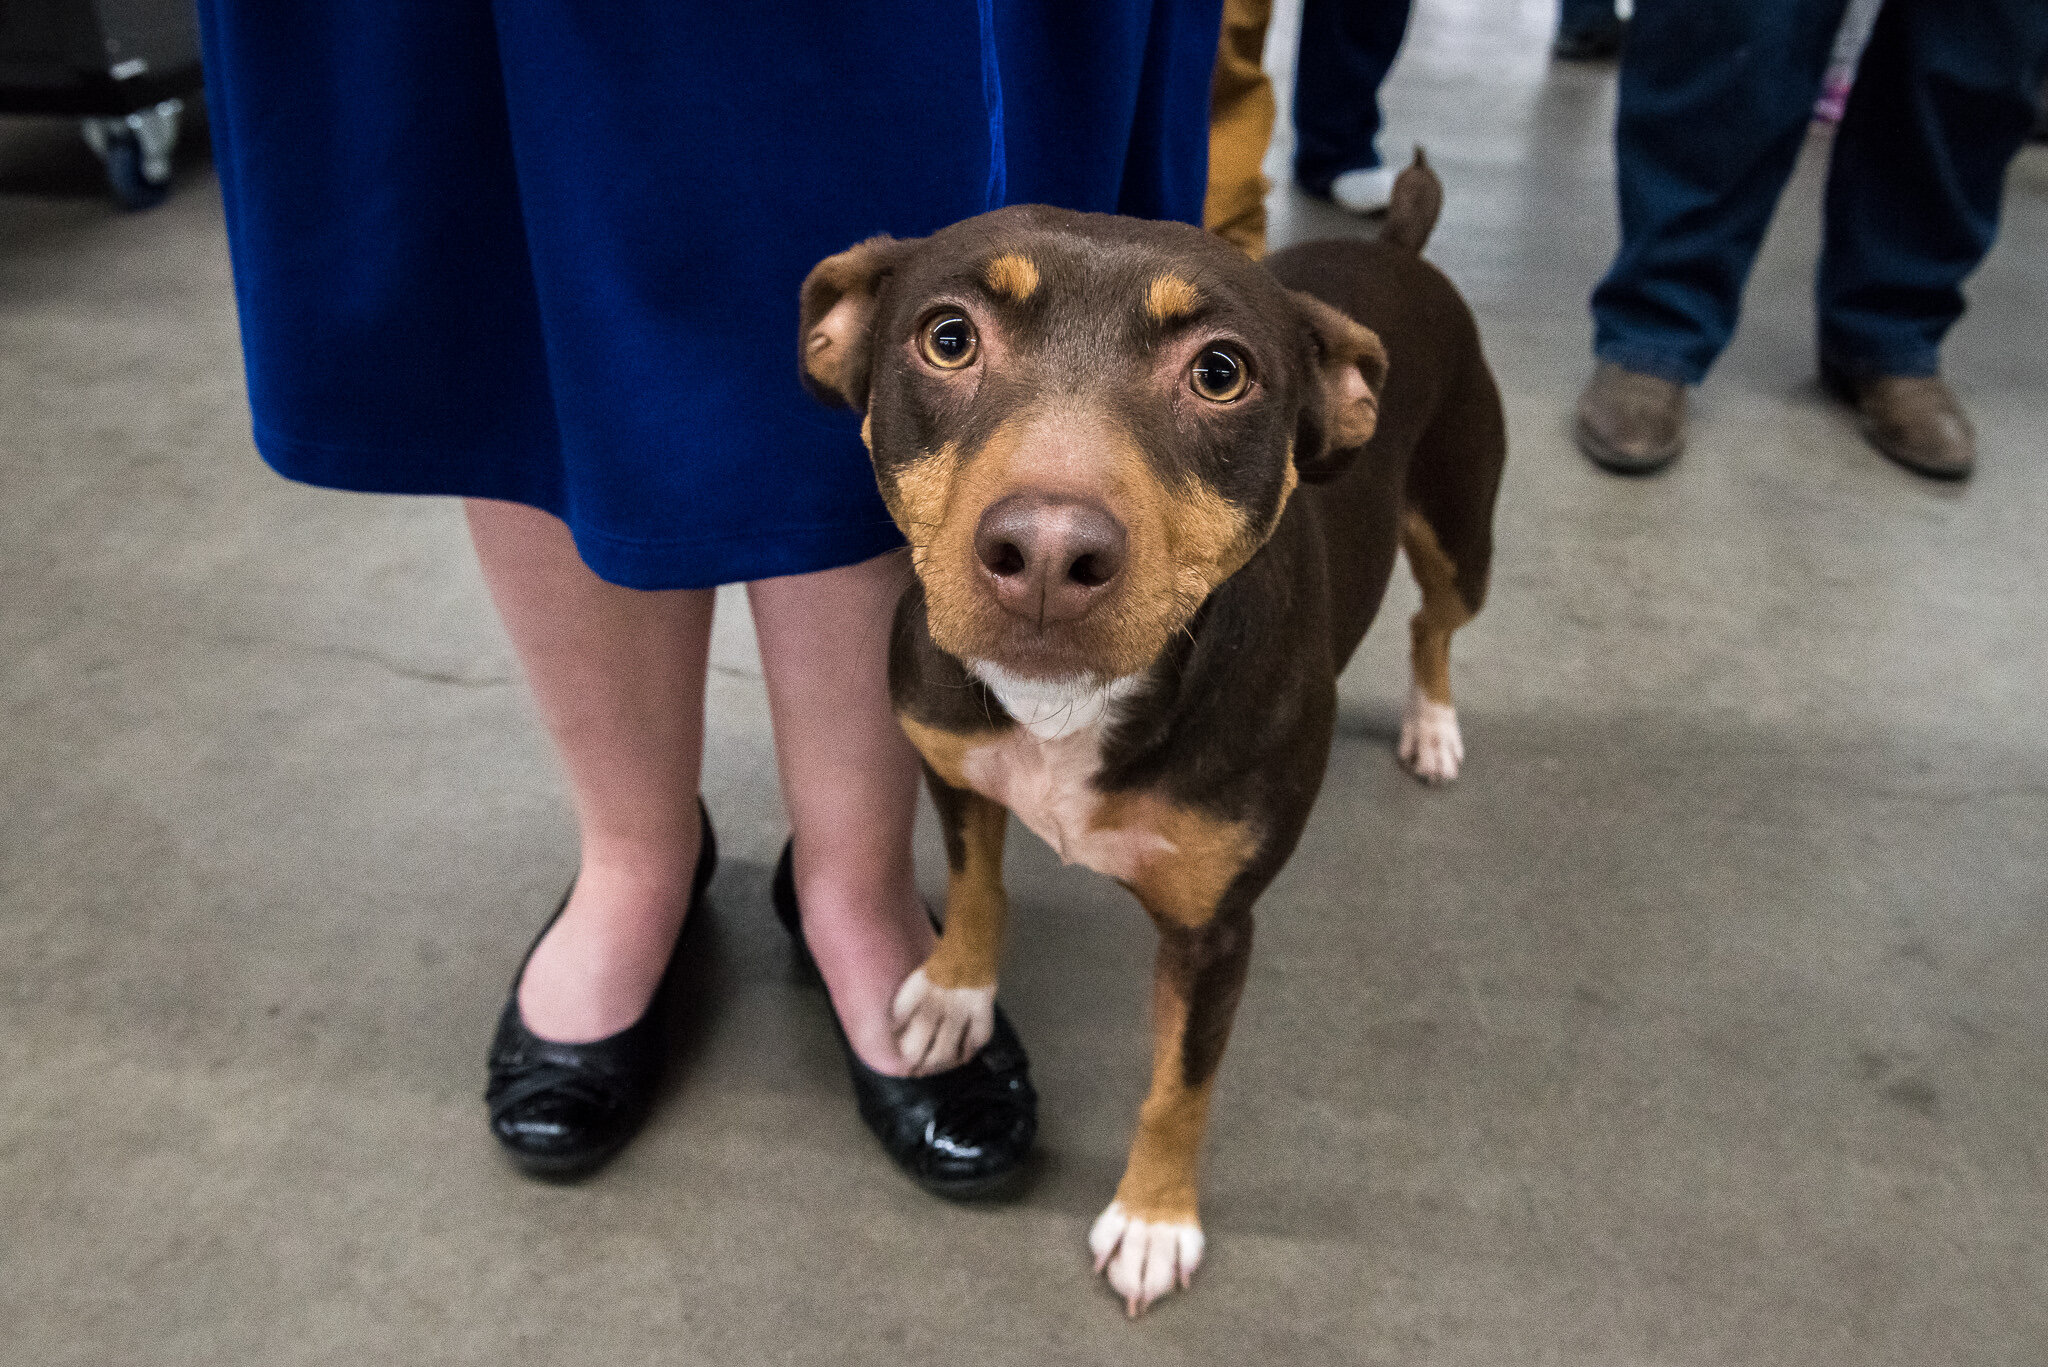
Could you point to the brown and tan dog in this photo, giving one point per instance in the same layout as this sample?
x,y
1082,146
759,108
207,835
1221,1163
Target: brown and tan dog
x,y
1153,492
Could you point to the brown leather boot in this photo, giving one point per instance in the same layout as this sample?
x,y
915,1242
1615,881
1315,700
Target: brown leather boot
x,y
1916,421
1630,423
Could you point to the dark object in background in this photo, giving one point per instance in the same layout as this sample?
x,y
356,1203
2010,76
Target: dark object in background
x,y
1588,31
2041,118
125,67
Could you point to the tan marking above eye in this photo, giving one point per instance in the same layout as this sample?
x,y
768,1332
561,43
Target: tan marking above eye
x,y
949,341
1171,297
1012,276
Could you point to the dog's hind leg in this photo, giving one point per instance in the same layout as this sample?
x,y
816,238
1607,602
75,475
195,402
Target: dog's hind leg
x,y
1431,747
1447,533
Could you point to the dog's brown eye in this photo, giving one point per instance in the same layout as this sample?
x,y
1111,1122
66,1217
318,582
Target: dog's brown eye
x,y
950,341
1219,374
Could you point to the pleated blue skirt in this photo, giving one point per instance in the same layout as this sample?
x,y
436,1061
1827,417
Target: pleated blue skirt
x,y
549,252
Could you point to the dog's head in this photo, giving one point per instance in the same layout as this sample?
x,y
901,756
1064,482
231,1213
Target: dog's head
x,y
1083,424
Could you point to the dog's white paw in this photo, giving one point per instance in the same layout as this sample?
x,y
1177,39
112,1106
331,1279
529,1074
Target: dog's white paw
x,y
941,1027
1431,748
1145,1259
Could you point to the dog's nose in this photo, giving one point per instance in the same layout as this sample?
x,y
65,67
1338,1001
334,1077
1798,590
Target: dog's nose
x,y
1049,558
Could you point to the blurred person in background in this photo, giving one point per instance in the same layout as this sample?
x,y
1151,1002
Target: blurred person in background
x,y
1347,47
1715,101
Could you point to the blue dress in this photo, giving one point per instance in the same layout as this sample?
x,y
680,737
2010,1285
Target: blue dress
x,y
549,252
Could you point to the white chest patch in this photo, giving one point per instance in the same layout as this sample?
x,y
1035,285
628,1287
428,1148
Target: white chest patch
x,y
1053,711
1044,771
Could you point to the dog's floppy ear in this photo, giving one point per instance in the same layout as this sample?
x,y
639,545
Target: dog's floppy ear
x,y
1342,410
835,339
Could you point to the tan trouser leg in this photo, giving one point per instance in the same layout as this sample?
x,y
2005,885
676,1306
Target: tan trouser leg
x,y
1240,126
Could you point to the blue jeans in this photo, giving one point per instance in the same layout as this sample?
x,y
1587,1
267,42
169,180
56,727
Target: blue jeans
x,y
1347,48
1716,96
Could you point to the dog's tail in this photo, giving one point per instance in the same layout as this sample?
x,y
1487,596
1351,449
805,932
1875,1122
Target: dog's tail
x,y
1418,198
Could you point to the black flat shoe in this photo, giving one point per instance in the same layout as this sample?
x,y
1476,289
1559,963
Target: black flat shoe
x,y
561,1110
959,1134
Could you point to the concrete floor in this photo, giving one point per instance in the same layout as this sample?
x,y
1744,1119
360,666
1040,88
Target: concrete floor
x,y
1705,1020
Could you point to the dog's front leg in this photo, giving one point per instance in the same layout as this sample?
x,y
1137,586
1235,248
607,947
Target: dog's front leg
x,y
1150,1238
945,1010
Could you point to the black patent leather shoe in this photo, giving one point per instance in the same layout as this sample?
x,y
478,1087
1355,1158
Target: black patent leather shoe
x,y
562,1110
959,1134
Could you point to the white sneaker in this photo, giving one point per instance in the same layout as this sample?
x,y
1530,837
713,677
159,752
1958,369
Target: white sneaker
x,y
1364,192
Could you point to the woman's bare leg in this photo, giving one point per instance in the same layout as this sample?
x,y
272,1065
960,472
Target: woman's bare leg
x,y
618,675
849,782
